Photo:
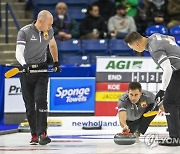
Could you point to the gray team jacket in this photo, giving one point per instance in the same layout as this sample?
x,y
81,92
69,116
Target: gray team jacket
x,y
135,111
36,43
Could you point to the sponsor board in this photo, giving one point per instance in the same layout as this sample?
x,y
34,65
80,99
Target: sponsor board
x,y
108,86
13,101
108,96
72,94
107,122
126,64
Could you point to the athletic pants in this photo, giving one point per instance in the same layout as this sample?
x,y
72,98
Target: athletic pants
x,y
171,104
34,92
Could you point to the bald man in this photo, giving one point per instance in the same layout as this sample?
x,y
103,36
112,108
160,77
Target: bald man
x,y
31,53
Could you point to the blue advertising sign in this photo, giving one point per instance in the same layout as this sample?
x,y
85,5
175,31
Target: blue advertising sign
x,y
72,94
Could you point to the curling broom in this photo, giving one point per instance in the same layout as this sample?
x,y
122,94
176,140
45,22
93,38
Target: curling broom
x,y
12,72
152,112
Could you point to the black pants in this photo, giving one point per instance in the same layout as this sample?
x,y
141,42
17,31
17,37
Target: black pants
x,y
34,92
142,123
171,104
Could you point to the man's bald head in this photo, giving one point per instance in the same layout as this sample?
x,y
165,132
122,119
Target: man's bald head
x,y
44,21
44,15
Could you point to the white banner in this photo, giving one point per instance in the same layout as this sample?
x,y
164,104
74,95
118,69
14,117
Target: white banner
x,y
107,122
126,64
12,96
13,101
77,123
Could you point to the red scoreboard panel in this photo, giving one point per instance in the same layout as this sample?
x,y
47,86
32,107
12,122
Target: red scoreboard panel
x,y
105,86
107,96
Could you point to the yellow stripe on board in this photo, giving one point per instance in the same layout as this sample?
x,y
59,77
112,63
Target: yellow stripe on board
x,y
50,123
108,96
158,123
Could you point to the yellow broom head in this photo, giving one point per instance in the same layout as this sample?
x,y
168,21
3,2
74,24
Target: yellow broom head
x,y
11,72
150,113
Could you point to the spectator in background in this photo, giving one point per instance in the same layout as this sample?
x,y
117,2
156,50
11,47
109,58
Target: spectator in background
x,y
93,25
28,4
141,17
64,26
157,12
106,8
120,25
131,6
174,13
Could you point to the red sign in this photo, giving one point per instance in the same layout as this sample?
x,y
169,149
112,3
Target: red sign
x,y
106,108
109,86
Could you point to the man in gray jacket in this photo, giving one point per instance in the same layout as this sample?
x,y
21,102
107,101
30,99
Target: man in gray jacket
x,y
31,53
131,107
165,53
120,25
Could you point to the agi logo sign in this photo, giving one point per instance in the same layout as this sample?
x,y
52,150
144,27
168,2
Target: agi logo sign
x,y
73,95
124,64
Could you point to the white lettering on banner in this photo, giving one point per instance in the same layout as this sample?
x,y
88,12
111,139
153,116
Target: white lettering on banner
x,y
73,95
114,77
77,99
113,87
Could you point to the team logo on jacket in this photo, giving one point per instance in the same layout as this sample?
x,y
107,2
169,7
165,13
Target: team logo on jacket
x,y
33,38
46,35
143,104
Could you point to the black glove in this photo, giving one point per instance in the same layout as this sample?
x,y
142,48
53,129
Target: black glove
x,y
56,67
25,69
159,96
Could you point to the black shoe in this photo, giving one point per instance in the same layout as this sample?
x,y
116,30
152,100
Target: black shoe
x,y
169,142
44,139
34,140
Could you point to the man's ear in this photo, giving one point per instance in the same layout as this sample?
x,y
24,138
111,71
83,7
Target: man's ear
x,y
40,21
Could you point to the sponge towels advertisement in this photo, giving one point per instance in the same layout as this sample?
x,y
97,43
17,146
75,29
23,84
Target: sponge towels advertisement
x,y
72,94
64,94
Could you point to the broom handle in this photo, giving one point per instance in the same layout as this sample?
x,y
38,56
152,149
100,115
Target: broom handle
x,y
155,104
38,71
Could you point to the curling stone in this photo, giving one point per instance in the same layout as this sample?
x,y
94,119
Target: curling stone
x,y
124,138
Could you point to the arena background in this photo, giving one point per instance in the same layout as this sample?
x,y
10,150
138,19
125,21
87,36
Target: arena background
x,y
87,88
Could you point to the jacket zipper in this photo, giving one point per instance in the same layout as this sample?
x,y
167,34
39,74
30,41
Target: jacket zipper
x,y
40,36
